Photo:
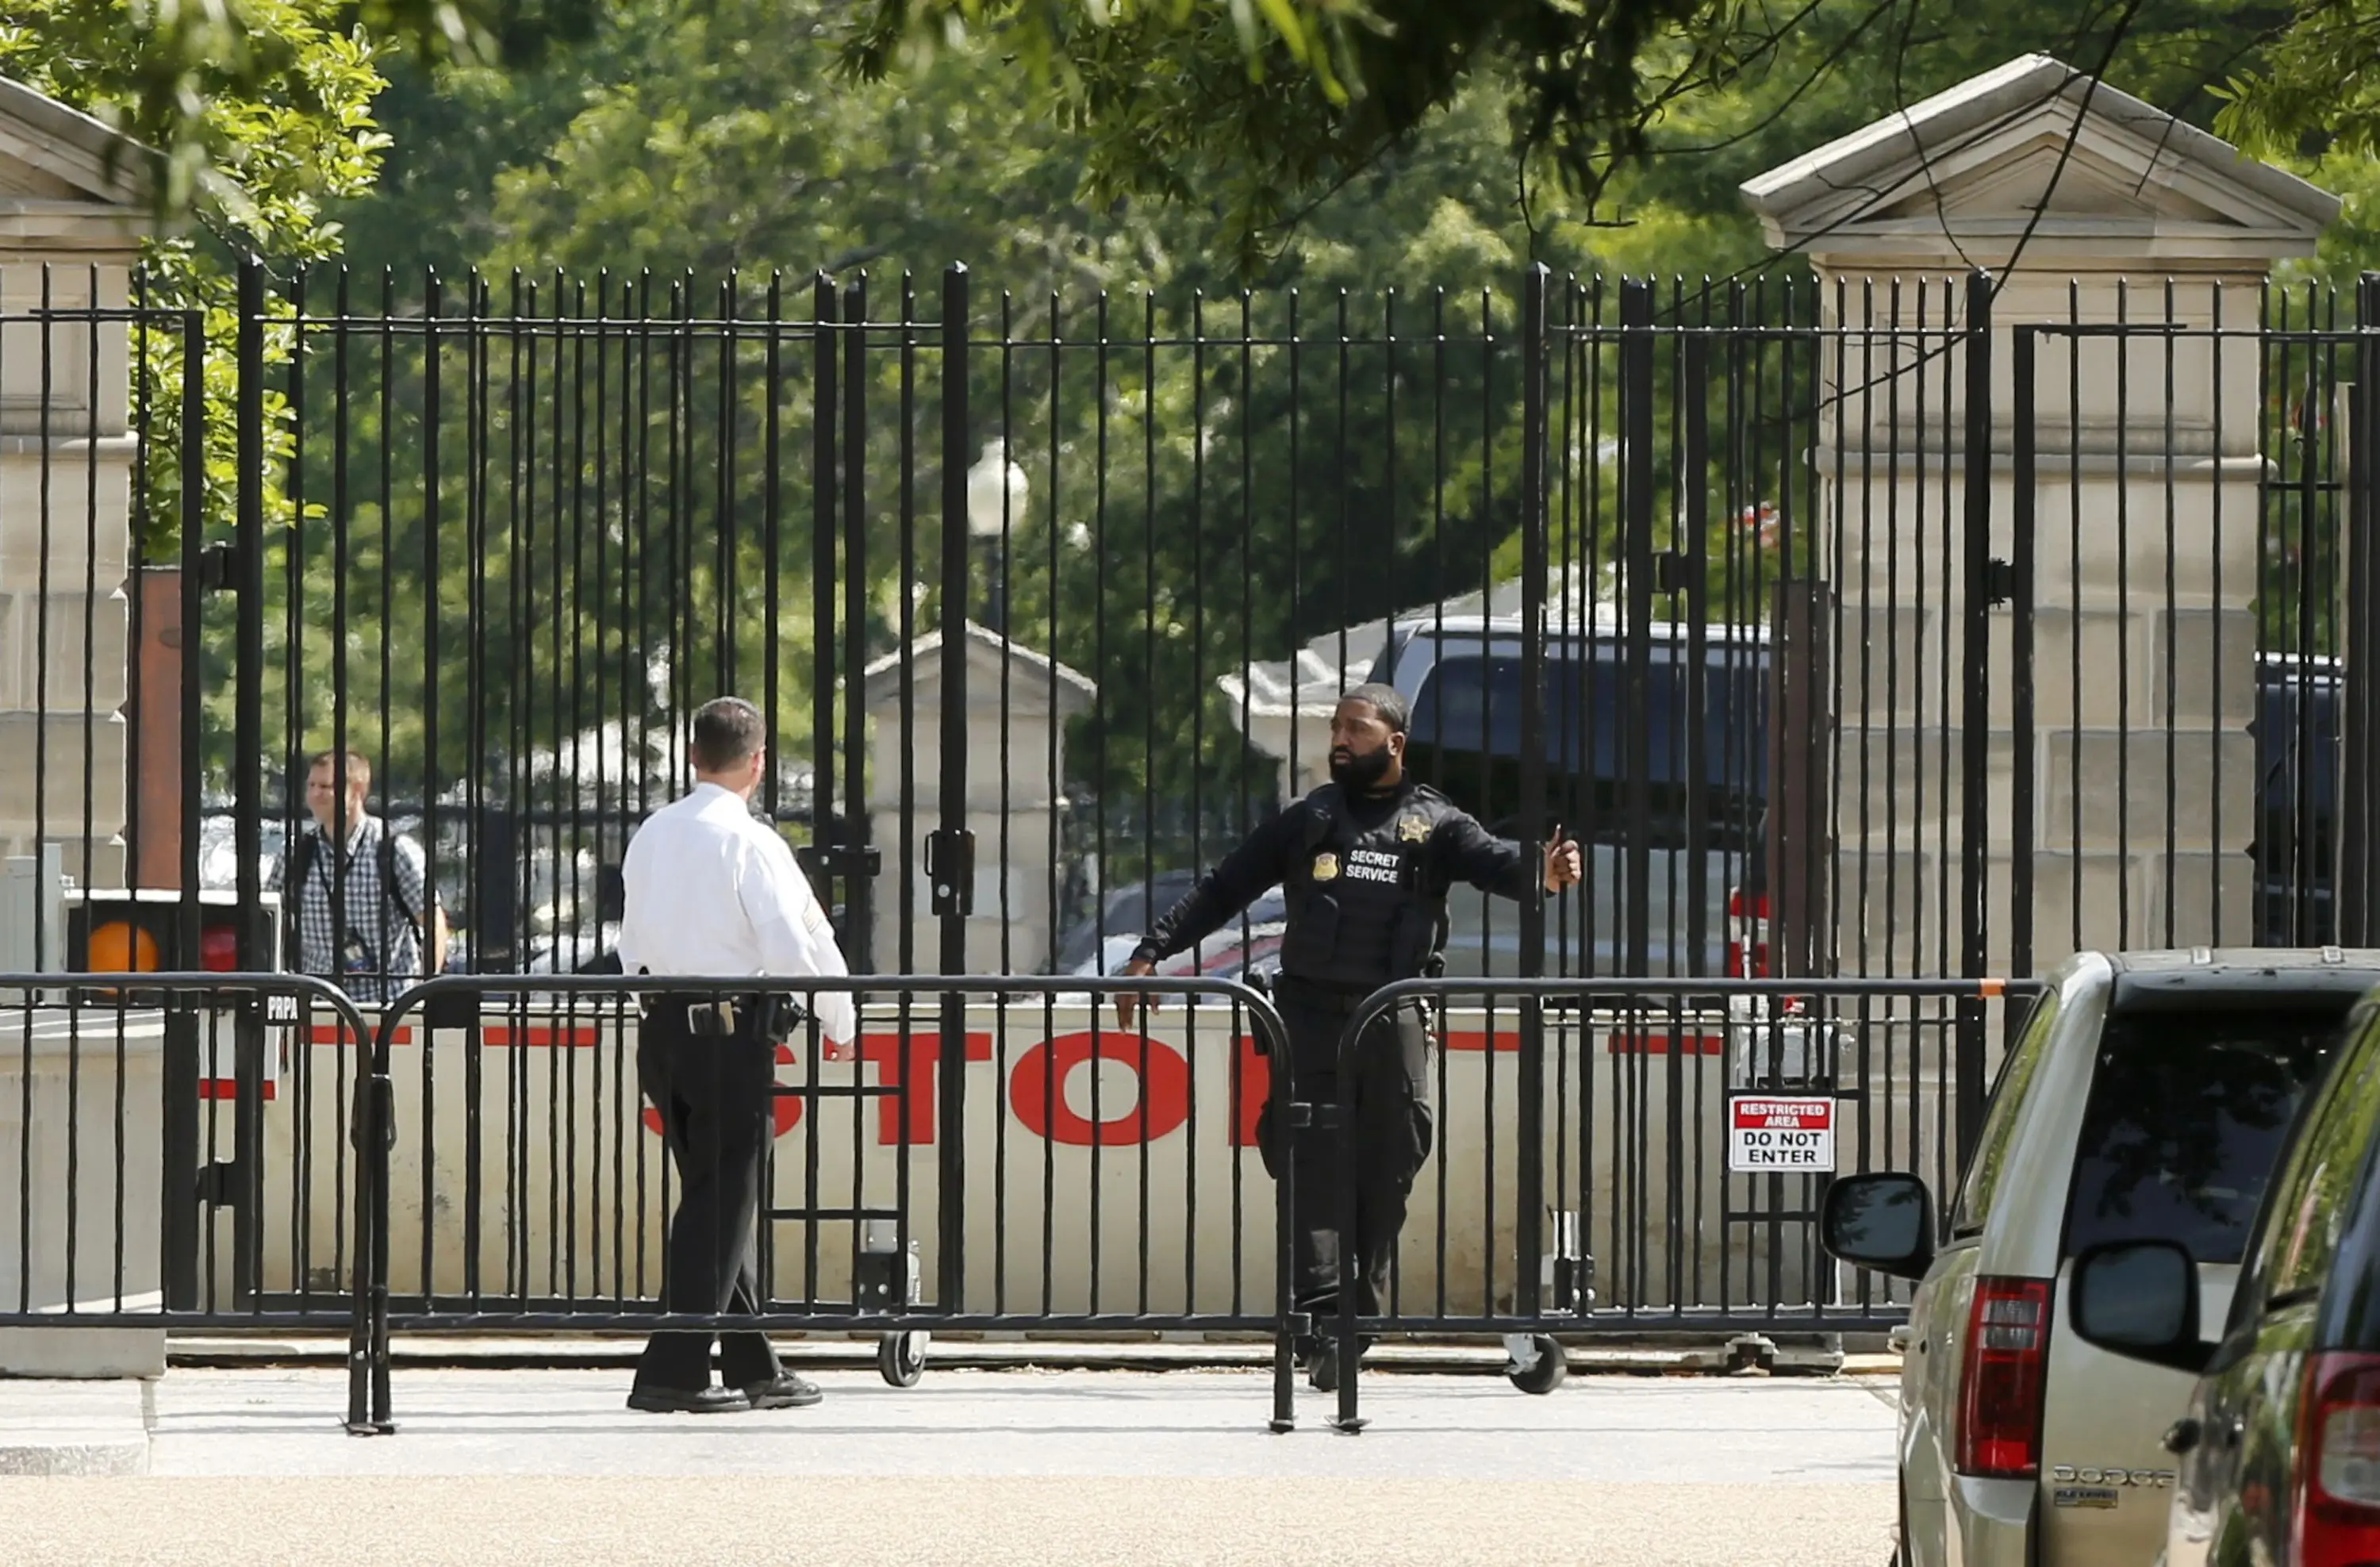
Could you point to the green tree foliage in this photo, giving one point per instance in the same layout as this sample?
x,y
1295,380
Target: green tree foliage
x,y
214,86
1246,110
1191,505
1249,107
269,123
1163,485
263,113
2312,85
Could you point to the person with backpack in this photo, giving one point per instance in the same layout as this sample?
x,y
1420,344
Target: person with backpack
x,y
1366,863
361,914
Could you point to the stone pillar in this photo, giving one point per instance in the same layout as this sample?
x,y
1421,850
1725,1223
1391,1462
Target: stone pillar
x,y
73,212
2086,207
1017,769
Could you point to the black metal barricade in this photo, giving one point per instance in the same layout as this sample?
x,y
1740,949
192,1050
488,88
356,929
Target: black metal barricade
x,y
1664,1143
139,1125
898,1197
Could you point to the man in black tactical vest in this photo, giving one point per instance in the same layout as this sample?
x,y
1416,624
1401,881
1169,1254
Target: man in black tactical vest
x,y
1365,862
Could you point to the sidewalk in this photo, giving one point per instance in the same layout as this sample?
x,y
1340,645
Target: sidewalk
x,y
531,1467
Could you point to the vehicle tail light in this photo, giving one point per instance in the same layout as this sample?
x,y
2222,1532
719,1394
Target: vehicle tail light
x,y
2338,1463
1747,947
2000,1382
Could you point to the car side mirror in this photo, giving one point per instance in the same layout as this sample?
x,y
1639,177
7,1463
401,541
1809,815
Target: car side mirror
x,y
1880,1221
2139,1299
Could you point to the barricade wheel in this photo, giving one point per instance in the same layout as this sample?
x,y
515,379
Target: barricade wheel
x,y
900,1358
1550,1369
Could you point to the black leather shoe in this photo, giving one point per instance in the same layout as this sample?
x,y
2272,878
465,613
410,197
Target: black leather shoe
x,y
687,1400
1322,1364
784,1391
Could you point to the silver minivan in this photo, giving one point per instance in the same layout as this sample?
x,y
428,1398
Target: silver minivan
x,y
2148,1098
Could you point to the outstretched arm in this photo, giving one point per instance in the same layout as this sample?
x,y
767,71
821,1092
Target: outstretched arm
x,y
1504,867
1244,875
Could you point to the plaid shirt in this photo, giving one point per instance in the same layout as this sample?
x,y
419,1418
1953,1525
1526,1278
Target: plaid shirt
x,y
381,947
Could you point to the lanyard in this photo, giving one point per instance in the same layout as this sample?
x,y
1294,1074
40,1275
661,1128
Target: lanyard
x,y
322,870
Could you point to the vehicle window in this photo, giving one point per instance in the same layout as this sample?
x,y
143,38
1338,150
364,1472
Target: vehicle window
x,y
1465,740
2188,1114
2309,1206
1999,1119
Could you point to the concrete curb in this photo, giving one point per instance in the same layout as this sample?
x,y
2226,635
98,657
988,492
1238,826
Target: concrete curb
x,y
57,1428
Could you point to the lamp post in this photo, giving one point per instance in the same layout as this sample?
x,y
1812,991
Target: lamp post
x,y
995,494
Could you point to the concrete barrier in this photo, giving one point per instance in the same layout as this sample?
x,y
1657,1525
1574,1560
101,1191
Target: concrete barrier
x,y
81,1133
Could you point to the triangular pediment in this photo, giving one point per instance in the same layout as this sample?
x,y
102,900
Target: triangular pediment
x,y
53,154
23,181
1035,683
2036,150
2050,175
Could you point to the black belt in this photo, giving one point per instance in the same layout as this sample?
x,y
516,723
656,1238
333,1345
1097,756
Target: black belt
x,y
1321,997
724,1018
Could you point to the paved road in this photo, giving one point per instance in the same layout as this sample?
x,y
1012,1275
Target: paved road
x,y
526,1468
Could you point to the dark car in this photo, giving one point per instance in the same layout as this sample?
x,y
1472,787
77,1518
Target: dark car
x,y
2277,1461
2297,728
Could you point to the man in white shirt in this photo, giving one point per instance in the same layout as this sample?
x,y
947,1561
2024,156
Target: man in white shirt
x,y
712,892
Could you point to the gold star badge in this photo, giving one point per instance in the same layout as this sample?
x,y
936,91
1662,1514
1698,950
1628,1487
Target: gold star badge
x,y
1412,829
1325,867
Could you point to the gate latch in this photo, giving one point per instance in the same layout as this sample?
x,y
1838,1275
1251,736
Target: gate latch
x,y
219,1183
838,860
1999,582
219,567
950,870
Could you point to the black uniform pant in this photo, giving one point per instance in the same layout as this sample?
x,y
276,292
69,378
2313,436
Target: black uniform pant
x,y
713,1096
1386,1138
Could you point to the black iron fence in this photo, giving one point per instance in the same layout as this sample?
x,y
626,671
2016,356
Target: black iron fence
x,y
1891,631
1868,629
236,1151
1056,1172
1862,630
1650,1157
166,1132
521,1184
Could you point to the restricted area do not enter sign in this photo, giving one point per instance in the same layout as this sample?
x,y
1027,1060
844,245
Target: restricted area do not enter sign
x,y
1772,1134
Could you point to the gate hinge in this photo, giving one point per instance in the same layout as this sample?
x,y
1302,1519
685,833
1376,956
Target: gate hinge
x,y
219,1183
1999,582
837,859
950,870
219,567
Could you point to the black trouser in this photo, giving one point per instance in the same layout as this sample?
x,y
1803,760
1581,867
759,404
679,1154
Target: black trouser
x,y
713,1096
1390,1129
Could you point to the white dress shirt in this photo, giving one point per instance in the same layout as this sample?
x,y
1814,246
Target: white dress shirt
x,y
714,892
